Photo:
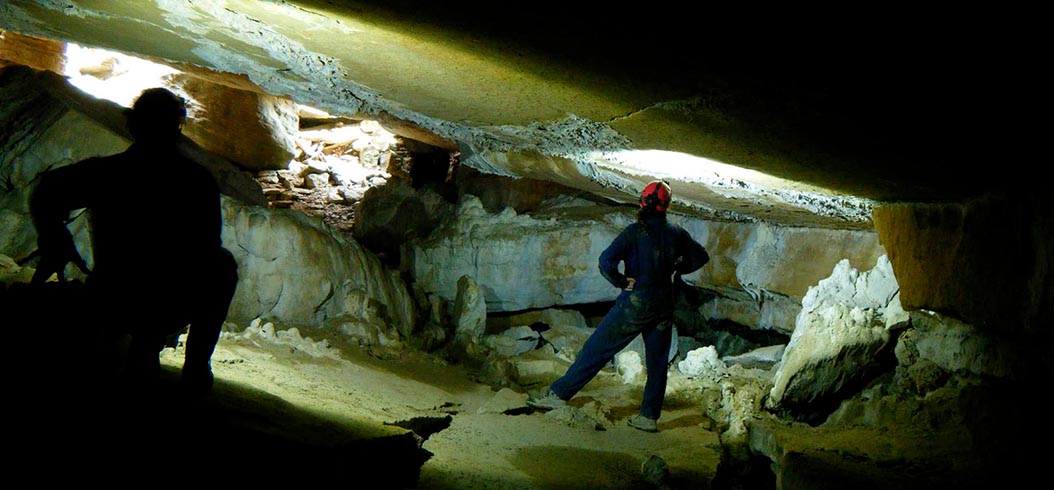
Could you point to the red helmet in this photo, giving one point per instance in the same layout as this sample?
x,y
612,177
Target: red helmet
x,y
656,195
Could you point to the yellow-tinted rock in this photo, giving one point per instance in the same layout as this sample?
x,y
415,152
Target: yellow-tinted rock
x,y
988,261
34,52
255,130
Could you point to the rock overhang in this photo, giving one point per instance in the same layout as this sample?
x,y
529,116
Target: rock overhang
x,y
569,94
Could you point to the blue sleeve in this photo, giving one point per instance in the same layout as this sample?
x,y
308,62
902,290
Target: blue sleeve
x,y
610,258
693,255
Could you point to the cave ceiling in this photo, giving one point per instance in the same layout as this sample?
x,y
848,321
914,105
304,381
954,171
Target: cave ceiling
x,y
812,117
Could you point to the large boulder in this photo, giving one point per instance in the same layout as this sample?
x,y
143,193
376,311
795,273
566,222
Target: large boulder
x,y
843,326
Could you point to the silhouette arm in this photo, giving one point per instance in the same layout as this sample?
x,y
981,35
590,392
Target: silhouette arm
x,y
58,192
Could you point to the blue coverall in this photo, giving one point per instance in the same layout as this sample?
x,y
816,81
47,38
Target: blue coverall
x,y
653,251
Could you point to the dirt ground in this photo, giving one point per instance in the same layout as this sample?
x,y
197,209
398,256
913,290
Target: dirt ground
x,y
469,442
291,409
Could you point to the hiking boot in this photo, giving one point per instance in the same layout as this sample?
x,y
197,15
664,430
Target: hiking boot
x,y
643,423
547,401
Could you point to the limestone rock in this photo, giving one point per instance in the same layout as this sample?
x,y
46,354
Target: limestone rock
x,y
546,320
266,126
259,330
536,368
396,213
524,262
470,312
956,346
513,342
35,52
987,260
574,418
704,362
839,332
295,272
763,358
759,308
11,272
566,340
503,401
629,367
529,261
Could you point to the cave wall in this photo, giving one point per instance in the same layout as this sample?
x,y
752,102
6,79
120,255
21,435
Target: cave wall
x,y
293,270
549,258
988,261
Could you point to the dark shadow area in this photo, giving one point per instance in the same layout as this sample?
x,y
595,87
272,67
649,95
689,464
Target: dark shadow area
x,y
64,415
553,467
755,473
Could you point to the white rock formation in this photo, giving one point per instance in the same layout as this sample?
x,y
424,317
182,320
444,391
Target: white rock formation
x,y
522,262
259,331
703,362
293,271
470,312
841,326
547,259
629,367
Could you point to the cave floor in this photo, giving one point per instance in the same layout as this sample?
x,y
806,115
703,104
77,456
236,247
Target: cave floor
x,y
399,420
277,413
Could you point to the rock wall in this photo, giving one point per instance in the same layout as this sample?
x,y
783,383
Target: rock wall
x,y
988,261
549,258
519,262
256,130
295,272
41,128
36,52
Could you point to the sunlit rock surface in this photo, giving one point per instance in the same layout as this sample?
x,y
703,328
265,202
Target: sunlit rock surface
x,y
258,131
35,52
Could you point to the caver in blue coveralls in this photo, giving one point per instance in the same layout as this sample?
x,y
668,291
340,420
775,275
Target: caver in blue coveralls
x,y
653,251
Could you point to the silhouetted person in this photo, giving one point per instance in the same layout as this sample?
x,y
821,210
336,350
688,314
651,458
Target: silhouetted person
x,y
158,263
655,253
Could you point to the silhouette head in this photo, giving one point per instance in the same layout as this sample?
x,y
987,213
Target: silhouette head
x,y
156,116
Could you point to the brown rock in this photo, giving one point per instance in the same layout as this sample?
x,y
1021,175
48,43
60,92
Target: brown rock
x,y
34,52
256,131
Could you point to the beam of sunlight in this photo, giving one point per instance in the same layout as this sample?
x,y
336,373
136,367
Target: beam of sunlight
x,y
110,75
680,166
734,182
